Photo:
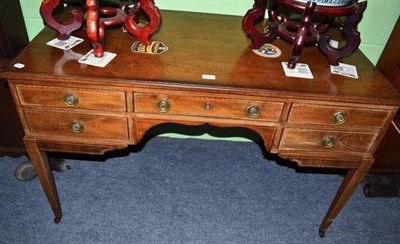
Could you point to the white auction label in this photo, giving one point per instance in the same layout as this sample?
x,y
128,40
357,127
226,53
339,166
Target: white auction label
x,y
208,77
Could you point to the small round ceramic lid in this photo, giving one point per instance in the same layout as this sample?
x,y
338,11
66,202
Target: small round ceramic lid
x,y
268,50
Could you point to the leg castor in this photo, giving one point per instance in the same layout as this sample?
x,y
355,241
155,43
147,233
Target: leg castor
x,y
26,172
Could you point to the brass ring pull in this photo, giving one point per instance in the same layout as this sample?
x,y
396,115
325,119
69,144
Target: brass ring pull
x,y
328,142
76,126
253,111
70,100
163,105
340,118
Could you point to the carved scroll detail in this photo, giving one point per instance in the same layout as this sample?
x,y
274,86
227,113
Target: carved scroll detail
x,y
257,38
352,35
132,25
64,29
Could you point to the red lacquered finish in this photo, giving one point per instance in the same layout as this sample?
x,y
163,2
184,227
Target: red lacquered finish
x,y
97,18
95,28
134,27
64,29
258,39
111,16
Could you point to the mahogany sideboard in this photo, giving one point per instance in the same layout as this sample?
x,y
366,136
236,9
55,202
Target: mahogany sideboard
x,y
208,75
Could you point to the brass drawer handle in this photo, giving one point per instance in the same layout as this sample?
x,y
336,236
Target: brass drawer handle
x,y
340,118
253,111
328,142
163,105
71,100
77,126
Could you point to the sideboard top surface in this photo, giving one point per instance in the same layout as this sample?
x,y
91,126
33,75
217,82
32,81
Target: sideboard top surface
x,y
203,44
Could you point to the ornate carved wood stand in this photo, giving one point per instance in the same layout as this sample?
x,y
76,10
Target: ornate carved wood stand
x,y
305,32
98,18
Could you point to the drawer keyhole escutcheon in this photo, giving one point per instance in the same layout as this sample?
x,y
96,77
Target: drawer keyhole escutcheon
x,y
208,105
253,111
340,118
328,142
163,105
76,126
71,100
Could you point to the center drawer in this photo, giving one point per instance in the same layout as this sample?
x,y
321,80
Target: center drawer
x,y
207,106
77,125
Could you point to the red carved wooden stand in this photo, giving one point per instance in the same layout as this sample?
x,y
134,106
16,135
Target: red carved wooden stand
x,y
252,15
307,32
133,26
95,28
111,16
98,18
64,29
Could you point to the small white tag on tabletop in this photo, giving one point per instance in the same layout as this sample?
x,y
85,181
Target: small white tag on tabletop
x,y
345,70
300,71
90,59
19,65
208,77
71,42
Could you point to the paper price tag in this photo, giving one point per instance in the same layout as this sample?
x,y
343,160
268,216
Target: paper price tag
x,y
345,70
208,77
19,65
90,59
300,71
65,44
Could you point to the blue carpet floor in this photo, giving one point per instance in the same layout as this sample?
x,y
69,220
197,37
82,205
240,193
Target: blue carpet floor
x,y
189,191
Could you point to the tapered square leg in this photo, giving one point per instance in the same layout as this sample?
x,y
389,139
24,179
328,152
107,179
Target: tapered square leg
x,y
350,183
40,162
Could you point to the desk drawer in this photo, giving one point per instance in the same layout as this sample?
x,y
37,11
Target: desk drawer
x,y
330,115
208,106
304,139
77,125
71,97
